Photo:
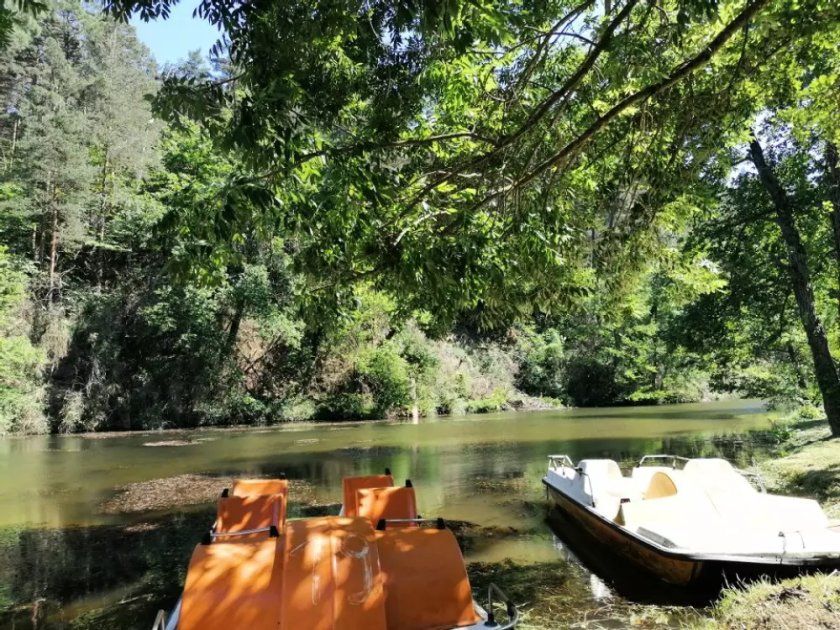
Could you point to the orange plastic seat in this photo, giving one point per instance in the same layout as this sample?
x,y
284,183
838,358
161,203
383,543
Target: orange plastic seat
x,y
387,503
256,487
237,514
234,585
332,576
353,484
426,583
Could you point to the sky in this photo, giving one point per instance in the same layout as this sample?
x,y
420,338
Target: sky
x,y
170,40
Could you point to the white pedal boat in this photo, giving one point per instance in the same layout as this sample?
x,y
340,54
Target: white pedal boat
x,y
692,517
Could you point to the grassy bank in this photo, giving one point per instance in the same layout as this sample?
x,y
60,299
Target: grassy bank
x,y
798,604
807,465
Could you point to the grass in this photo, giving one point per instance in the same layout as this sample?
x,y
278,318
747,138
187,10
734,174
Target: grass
x,y
809,468
797,604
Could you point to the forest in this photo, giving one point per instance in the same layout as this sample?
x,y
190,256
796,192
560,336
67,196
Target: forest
x,y
406,207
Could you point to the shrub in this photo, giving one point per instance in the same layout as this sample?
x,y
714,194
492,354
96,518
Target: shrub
x,y
385,374
21,363
541,364
808,412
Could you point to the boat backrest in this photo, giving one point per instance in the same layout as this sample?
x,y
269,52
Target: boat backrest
x,y
233,585
256,487
601,479
351,485
662,484
237,514
387,503
600,469
426,583
643,473
331,576
709,465
718,476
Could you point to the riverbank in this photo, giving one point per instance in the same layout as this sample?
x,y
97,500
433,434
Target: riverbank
x,y
808,465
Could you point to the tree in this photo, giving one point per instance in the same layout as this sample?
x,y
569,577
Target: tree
x,y
447,150
825,368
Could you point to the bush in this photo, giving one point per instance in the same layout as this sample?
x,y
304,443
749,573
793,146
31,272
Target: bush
x,y
495,402
346,406
541,364
591,384
385,375
808,412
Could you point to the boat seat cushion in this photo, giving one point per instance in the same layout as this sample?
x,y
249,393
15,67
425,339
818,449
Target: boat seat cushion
x,y
256,487
388,503
351,485
236,514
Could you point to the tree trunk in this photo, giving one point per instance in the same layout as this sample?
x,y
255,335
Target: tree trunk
x,y
103,217
53,249
14,143
825,369
235,322
832,171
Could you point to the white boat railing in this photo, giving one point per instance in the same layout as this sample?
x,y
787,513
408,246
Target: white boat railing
x,y
160,621
555,462
674,459
512,610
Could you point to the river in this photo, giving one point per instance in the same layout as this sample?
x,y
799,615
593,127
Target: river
x,y
95,532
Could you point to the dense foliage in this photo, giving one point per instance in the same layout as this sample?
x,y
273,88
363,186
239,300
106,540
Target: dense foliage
x,y
417,208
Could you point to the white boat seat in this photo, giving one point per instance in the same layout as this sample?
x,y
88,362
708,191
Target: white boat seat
x,y
671,498
603,478
766,511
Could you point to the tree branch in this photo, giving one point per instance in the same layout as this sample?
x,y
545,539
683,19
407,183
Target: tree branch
x,y
544,107
677,75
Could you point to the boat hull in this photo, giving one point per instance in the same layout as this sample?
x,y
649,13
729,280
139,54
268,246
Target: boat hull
x,y
675,567
673,570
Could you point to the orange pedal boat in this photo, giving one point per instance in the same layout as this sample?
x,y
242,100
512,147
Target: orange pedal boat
x,y
376,566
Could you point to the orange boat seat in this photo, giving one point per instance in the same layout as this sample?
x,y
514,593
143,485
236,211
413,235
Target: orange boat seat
x,y
425,580
332,576
351,485
387,503
234,585
237,514
256,487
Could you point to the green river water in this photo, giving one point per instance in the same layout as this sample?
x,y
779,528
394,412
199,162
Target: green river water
x,y
70,559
